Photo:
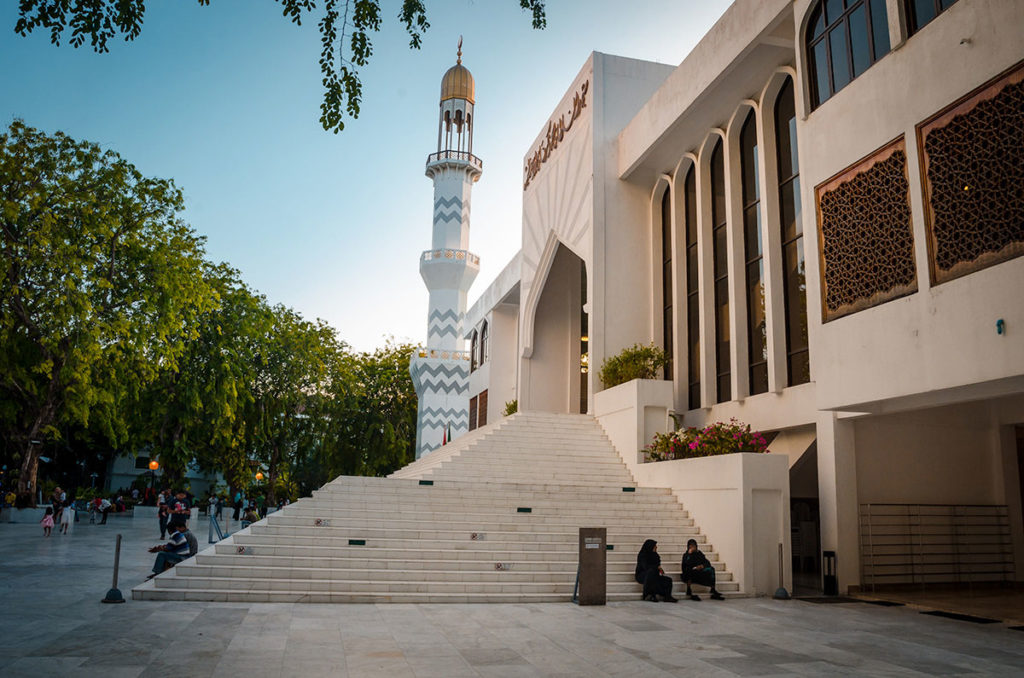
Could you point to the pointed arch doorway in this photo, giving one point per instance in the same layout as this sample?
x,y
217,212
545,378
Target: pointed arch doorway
x,y
556,373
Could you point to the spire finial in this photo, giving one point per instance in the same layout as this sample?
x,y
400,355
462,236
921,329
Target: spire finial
x,y
459,59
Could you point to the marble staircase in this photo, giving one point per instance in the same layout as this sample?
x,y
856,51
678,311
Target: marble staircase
x,y
492,517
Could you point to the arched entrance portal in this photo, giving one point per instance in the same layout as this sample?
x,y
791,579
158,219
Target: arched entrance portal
x,y
556,375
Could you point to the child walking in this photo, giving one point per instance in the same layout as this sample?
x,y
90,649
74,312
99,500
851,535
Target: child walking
x,y
47,521
66,516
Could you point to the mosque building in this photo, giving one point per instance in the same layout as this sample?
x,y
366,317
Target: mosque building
x,y
819,216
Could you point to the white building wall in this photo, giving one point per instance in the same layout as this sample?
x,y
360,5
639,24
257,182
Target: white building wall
x,y
944,336
576,201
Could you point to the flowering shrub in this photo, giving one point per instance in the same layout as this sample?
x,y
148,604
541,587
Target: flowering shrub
x,y
712,440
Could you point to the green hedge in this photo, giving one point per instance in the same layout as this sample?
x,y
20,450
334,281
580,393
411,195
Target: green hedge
x,y
636,362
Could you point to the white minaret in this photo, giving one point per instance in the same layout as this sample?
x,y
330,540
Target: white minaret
x,y
440,371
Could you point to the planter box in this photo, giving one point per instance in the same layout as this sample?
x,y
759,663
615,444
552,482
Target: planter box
x,y
25,515
632,413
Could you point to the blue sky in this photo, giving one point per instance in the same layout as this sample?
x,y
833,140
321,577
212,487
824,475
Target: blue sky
x,y
225,100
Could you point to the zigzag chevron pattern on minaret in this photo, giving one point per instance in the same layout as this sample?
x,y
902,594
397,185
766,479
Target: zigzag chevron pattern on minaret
x,y
443,330
438,412
440,371
438,387
451,370
451,209
438,315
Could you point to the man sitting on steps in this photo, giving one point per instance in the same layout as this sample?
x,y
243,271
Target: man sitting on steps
x,y
174,551
697,569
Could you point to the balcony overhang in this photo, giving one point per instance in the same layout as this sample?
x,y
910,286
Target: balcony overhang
x,y
731,63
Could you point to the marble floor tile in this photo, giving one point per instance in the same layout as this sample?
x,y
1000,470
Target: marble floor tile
x,y
63,630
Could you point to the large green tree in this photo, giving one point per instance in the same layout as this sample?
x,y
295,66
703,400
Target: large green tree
x,y
291,375
346,28
369,421
101,283
199,410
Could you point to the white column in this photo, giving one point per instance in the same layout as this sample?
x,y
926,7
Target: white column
x,y
837,496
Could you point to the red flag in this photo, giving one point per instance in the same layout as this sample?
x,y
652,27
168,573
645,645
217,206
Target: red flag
x,y
444,437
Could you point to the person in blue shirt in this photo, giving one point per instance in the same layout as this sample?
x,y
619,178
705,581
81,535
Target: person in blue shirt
x,y
173,552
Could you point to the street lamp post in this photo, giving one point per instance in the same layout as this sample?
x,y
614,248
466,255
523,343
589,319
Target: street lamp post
x,y
153,466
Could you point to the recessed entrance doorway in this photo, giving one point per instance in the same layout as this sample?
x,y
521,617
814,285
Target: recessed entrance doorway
x,y
556,375
805,523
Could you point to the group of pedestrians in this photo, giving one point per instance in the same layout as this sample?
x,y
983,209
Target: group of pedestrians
x,y
696,569
172,508
58,514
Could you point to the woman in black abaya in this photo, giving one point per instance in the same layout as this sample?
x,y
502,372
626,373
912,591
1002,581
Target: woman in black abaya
x,y
650,574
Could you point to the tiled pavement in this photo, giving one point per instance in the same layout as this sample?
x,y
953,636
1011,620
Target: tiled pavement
x,y
54,625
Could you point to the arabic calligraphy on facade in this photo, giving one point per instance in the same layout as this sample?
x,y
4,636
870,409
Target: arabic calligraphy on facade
x,y
555,133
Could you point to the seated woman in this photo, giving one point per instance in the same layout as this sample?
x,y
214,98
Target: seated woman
x,y
697,569
650,575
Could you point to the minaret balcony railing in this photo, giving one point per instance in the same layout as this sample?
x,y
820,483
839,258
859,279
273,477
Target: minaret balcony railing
x,y
464,156
452,255
424,352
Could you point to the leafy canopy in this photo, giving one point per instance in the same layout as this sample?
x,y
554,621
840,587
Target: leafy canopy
x,y
100,285
345,28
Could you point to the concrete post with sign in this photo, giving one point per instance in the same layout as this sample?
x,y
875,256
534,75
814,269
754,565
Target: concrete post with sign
x,y
593,586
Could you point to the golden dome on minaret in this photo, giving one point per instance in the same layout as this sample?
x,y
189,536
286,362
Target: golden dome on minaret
x,y
457,83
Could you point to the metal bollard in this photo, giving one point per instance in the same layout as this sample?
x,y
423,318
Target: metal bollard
x,y
114,595
781,593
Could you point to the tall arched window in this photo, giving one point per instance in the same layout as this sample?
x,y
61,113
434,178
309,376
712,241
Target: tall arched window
x,y
797,361
720,254
473,347
485,353
844,38
757,332
692,288
666,279
920,12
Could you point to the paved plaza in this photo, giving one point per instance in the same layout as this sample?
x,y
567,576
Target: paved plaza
x,y
54,625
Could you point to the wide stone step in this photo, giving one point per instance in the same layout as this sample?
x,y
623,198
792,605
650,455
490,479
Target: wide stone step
x,y
551,515
624,501
564,587
492,493
523,545
382,537
469,475
356,566
148,591
563,575
495,504
308,525
636,518
444,488
525,459
270,547
567,476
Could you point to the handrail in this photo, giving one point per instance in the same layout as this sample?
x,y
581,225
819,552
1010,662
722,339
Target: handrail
x,y
456,155
215,528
